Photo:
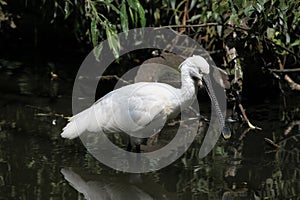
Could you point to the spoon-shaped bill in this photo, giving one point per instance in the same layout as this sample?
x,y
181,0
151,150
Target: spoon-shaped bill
x,y
225,130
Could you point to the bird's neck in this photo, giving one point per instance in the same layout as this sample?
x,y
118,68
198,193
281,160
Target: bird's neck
x,y
188,87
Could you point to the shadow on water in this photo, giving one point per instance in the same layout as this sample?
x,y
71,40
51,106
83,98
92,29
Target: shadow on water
x,y
35,163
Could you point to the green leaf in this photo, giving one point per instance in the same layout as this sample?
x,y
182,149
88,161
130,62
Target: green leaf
x,y
259,7
136,5
124,17
177,20
131,15
97,51
112,38
94,32
114,8
248,11
233,18
192,5
194,18
219,30
287,39
2,2
142,15
67,9
173,3
136,18
131,4
157,15
270,33
296,43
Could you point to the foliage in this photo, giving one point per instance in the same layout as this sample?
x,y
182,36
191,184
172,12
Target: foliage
x,y
106,17
87,19
93,9
269,29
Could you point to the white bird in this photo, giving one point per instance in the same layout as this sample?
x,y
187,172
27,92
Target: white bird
x,y
141,109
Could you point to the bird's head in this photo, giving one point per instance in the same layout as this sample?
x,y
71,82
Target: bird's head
x,y
197,67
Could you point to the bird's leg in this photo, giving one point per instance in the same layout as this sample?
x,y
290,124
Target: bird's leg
x,y
137,143
134,141
129,146
138,148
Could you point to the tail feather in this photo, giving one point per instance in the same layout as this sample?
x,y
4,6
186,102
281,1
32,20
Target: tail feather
x,y
77,125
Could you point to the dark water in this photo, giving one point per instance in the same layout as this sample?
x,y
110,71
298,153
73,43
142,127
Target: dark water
x,y
35,163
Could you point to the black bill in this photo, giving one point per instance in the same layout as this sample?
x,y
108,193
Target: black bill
x,y
225,130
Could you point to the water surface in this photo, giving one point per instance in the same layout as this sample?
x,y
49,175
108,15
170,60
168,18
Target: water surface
x,y
35,163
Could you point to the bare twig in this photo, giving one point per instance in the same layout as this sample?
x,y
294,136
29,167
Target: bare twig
x,y
292,84
108,77
246,118
271,142
186,12
285,70
204,25
291,126
244,133
282,47
51,115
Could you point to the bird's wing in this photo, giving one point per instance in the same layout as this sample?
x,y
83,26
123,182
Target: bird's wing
x,y
145,109
128,109
141,105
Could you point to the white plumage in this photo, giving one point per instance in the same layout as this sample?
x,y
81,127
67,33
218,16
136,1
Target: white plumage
x,y
141,108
